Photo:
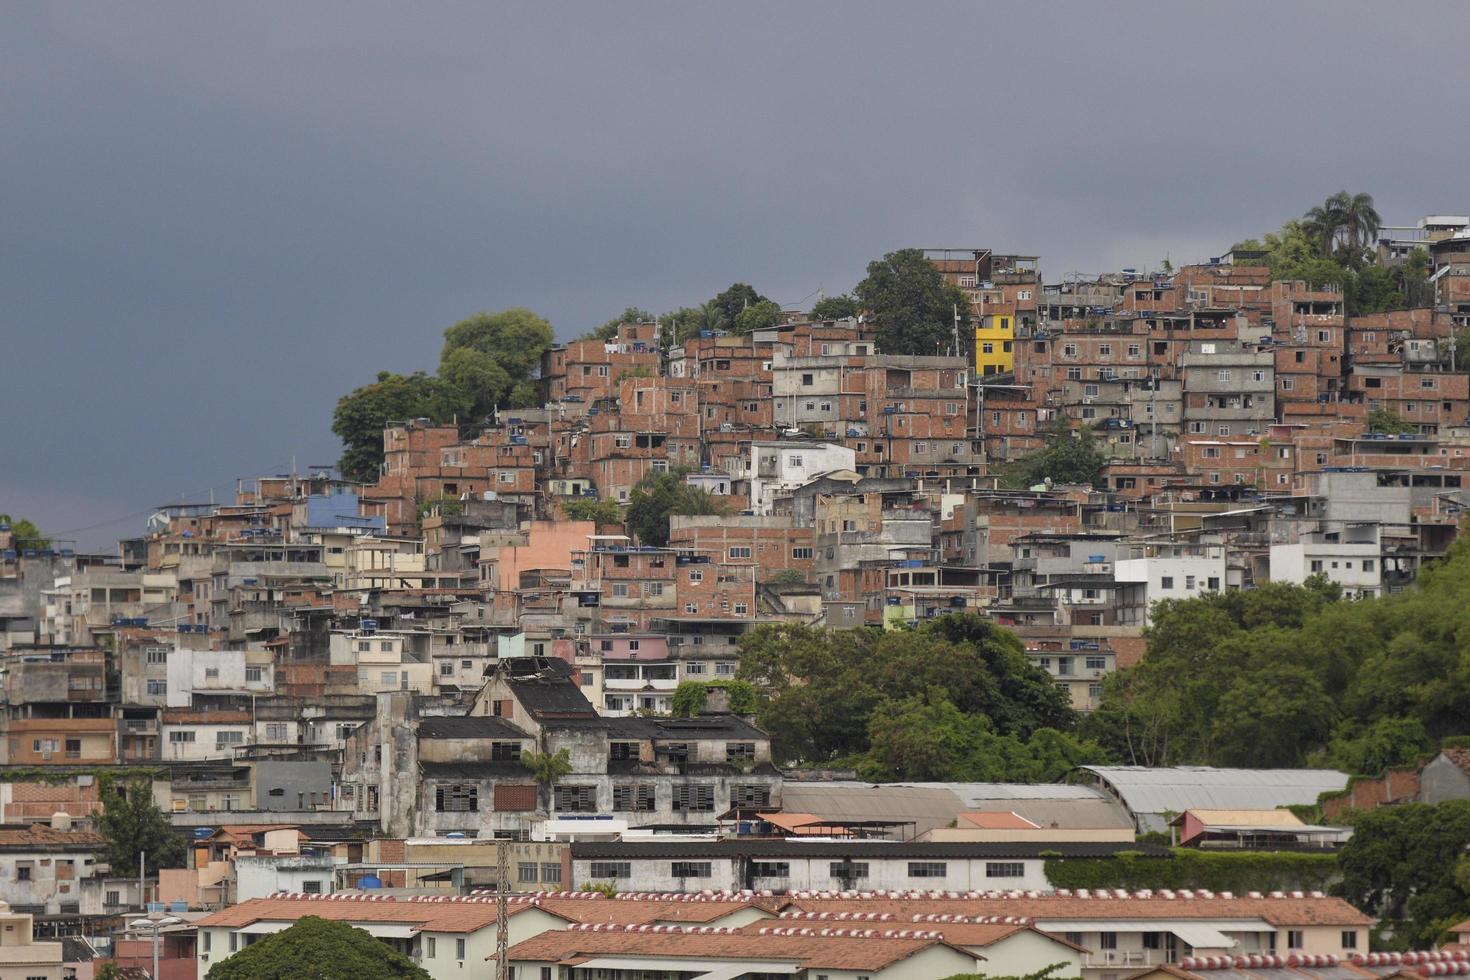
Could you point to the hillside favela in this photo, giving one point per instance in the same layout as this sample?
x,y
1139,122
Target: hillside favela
x,y
820,490
976,622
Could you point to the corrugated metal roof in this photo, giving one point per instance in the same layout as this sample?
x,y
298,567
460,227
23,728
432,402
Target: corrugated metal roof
x,y
925,807
931,805
801,847
1156,791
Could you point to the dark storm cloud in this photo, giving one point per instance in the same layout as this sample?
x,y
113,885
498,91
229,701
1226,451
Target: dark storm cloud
x,y
216,219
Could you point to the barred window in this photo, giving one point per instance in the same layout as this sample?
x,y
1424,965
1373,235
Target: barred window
x,y
770,869
457,798
739,750
750,795
611,869
1005,869
576,799
633,797
694,799
526,872
928,869
692,869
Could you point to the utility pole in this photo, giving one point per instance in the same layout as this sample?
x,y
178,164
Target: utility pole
x,y
502,909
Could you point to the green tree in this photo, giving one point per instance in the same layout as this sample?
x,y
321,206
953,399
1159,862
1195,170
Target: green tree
x,y
733,301
609,330
475,383
489,360
1401,862
835,308
758,316
1360,220
660,494
1370,750
513,339
360,416
826,695
547,769
600,512
1226,653
1413,277
317,949
446,505
132,824
1388,421
814,694
690,697
1068,456
690,321
1272,717
913,306
1028,699
925,737
24,533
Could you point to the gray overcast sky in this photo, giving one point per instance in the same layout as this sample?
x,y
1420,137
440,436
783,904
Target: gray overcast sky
x,y
217,218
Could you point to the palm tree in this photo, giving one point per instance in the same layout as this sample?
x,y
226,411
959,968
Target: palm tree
x,y
1323,223
1360,219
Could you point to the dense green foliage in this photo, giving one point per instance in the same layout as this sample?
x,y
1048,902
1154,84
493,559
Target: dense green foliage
x,y
1389,421
317,949
446,505
660,494
1233,871
547,768
600,512
724,312
1283,675
131,823
835,308
757,317
690,697
1405,864
1069,456
953,699
488,361
913,307
1332,245
24,533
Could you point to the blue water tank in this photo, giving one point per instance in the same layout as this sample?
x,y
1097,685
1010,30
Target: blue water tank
x,y
370,881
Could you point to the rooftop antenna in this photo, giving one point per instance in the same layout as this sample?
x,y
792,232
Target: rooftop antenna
x,y
502,909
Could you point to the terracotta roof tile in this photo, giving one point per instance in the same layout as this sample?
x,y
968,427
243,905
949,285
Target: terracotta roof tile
x,y
1276,911
812,952
40,835
454,916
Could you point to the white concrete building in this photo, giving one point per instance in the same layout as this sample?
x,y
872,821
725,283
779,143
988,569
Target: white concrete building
x,y
818,864
1165,570
1352,557
217,673
780,467
257,876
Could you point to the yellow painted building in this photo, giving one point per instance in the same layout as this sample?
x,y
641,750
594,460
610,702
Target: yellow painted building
x,y
995,336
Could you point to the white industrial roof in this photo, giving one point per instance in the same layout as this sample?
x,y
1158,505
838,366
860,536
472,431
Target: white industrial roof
x,y
1146,790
